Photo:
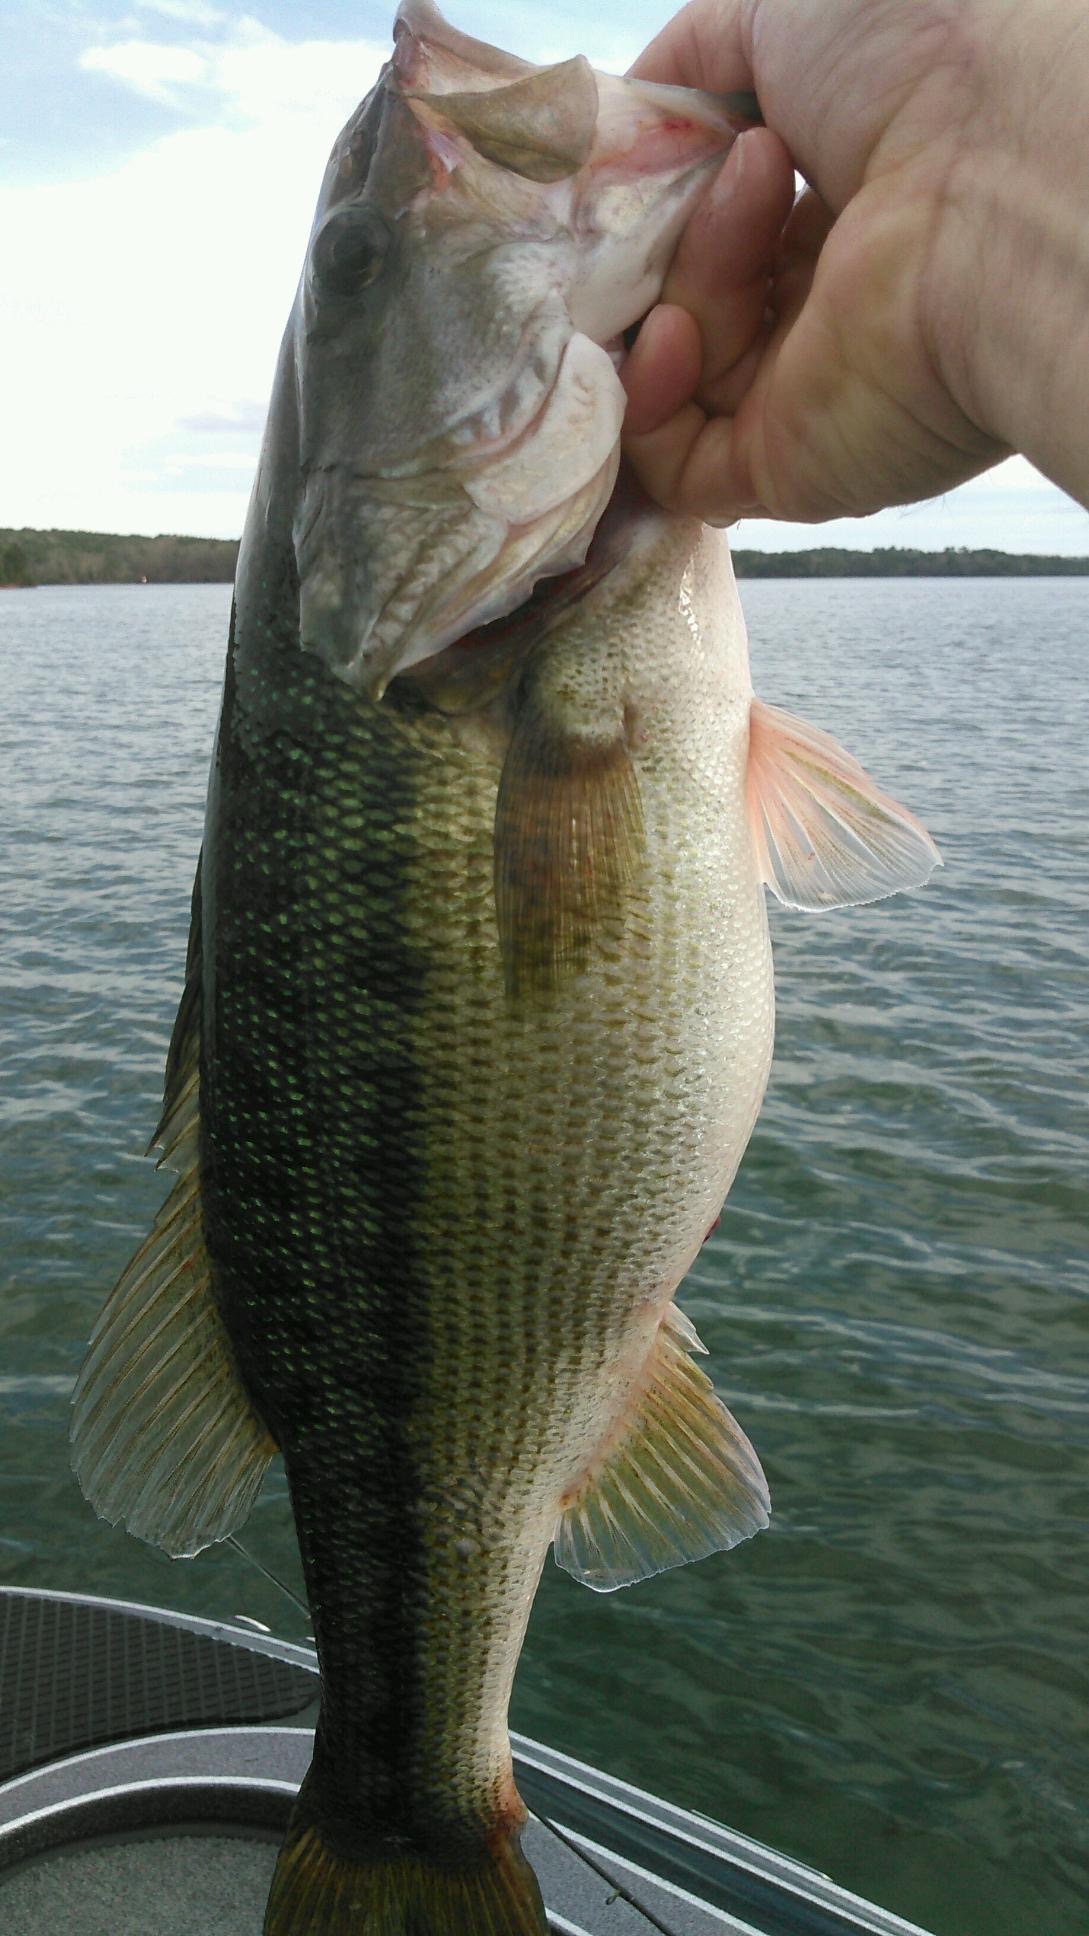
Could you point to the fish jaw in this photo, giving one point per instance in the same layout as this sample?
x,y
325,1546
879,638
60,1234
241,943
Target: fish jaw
x,y
460,417
634,155
654,152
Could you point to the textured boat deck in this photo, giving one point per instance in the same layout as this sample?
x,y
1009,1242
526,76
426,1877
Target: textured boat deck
x,y
88,1861
146,1776
200,1885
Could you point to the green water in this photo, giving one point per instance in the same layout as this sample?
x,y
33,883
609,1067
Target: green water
x,y
891,1682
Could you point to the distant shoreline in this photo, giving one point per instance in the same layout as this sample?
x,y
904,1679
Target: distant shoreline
x,y
29,557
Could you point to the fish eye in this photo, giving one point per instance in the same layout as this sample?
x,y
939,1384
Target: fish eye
x,y
349,250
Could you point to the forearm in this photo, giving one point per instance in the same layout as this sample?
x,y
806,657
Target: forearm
x,y
1009,290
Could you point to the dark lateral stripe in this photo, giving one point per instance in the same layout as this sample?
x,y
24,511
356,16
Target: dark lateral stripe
x,y
311,1192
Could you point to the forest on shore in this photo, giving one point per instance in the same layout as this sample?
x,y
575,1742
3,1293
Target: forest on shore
x,y
899,561
98,558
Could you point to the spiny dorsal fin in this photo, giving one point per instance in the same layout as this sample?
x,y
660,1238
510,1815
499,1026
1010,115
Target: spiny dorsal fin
x,y
569,840
681,1481
163,1435
826,836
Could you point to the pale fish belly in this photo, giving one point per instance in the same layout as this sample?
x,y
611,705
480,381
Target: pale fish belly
x,y
576,1148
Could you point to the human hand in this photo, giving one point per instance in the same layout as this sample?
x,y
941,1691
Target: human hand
x,y
863,347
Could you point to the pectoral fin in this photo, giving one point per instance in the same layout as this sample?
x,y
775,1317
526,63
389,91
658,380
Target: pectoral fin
x,y
163,1435
825,835
569,840
680,1480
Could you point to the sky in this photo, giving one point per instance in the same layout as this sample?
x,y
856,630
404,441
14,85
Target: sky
x,y
159,163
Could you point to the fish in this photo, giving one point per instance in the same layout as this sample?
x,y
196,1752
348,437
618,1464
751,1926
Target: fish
x,y
478,1006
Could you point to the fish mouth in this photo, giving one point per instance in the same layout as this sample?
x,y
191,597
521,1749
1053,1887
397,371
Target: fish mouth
x,y
469,671
511,498
533,498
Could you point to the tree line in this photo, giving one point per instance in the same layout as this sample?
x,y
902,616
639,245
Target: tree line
x,y
897,561
97,558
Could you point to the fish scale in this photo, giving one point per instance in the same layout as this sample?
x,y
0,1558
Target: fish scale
x,y
490,1252
478,1003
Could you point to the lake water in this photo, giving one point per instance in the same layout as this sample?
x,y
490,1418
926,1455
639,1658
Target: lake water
x,y
891,1683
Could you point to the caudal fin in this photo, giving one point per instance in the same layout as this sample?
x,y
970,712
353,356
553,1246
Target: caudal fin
x,y
368,1887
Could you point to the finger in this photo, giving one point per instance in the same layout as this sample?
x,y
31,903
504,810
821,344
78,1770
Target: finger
x,y
732,388
662,369
804,235
805,230
702,46
660,458
734,466
723,264
710,464
716,291
734,230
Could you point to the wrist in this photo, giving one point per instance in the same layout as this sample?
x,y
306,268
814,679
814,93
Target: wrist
x,y
1006,302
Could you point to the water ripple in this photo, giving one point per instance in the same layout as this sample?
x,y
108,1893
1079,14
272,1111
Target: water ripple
x,y
892,1681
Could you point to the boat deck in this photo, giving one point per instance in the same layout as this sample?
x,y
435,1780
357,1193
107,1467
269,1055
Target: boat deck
x,y
147,1770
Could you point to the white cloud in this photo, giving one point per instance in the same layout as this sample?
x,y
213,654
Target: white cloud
x,y
250,76
160,72
194,13
158,293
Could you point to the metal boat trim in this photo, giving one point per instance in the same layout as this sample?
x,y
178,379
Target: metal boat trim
x,y
597,1834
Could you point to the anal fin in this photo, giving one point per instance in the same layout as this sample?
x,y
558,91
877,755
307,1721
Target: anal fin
x,y
681,1482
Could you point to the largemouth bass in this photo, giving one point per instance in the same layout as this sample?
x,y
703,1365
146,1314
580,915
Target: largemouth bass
x,y
478,1008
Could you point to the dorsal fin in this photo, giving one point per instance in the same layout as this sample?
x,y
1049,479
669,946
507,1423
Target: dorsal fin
x,y
164,1437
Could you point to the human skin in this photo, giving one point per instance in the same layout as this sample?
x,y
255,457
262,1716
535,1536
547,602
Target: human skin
x,y
923,308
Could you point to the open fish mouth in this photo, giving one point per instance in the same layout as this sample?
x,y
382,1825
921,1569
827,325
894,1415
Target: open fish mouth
x,y
465,674
398,567
460,327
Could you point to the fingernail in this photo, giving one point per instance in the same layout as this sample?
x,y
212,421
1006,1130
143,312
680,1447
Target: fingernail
x,y
728,179
643,342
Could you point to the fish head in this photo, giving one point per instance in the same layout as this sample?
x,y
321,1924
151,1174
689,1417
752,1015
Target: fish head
x,y
486,232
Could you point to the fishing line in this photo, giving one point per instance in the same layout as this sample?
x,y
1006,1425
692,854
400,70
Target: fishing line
x,y
617,1891
274,1578
616,1888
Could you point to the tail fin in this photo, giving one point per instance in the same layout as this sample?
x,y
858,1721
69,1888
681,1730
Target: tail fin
x,y
376,1888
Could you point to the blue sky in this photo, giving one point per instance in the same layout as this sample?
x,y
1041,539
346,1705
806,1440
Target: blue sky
x,y
159,161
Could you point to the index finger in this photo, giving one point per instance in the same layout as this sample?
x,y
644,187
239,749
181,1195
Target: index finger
x,y
705,45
